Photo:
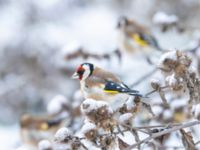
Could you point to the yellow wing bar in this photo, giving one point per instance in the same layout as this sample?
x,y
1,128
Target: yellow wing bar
x,y
111,91
138,40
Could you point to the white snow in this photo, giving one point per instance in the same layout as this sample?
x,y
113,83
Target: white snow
x,y
125,117
9,137
178,103
167,114
56,104
156,81
87,127
130,104
171,80
192,69
62,146
44,145
90,145
94,105
62,133
196,110
168,55
157,109
174,140
163,18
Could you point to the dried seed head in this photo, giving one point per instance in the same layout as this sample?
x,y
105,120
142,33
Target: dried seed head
x,y
89,130
63,135
96,110
155,84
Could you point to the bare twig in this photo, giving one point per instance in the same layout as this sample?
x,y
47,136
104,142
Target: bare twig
x,y
153,91
155,135
143,78
129,128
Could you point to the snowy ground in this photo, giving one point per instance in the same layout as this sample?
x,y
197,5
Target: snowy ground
x,y
9,137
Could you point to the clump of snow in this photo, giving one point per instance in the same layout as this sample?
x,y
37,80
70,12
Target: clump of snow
x,y
89,104
163,18
178,103
56,104
169,55
129,103
44,145
62,134
157,109
171,80
192,69
62,146
167,114
173,141
124,118
155,83
196,110
87,127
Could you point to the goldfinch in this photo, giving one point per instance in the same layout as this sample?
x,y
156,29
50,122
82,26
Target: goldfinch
x,y
33,128
133,35
98,84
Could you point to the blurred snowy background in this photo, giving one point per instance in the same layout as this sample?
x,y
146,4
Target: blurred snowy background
x,y
35,37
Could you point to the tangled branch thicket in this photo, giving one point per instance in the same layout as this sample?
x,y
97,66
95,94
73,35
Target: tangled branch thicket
x,y
170,111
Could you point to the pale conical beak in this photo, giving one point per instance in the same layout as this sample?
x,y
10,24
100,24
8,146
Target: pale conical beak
x,y
75,76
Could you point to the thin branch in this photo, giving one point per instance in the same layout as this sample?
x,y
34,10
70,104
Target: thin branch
x,y
133,128
153,91
158,126
155,135
143,78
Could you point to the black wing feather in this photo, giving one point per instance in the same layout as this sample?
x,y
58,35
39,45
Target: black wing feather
x,y
121,88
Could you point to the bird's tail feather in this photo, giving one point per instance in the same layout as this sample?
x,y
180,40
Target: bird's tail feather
x,y
138,95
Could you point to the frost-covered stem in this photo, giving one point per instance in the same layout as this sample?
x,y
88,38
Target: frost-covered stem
x,y
162,96
84,146
134,129
114,133
158,126
155,135
153,91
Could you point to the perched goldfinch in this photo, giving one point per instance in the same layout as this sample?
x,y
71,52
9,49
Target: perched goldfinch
x,y
98,84
133,36
34,129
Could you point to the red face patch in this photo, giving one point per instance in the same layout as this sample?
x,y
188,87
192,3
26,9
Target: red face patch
x,y
80,70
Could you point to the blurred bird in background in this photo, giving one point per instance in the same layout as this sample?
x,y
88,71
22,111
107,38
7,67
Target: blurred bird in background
x,y
99,84
36,128
133,36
